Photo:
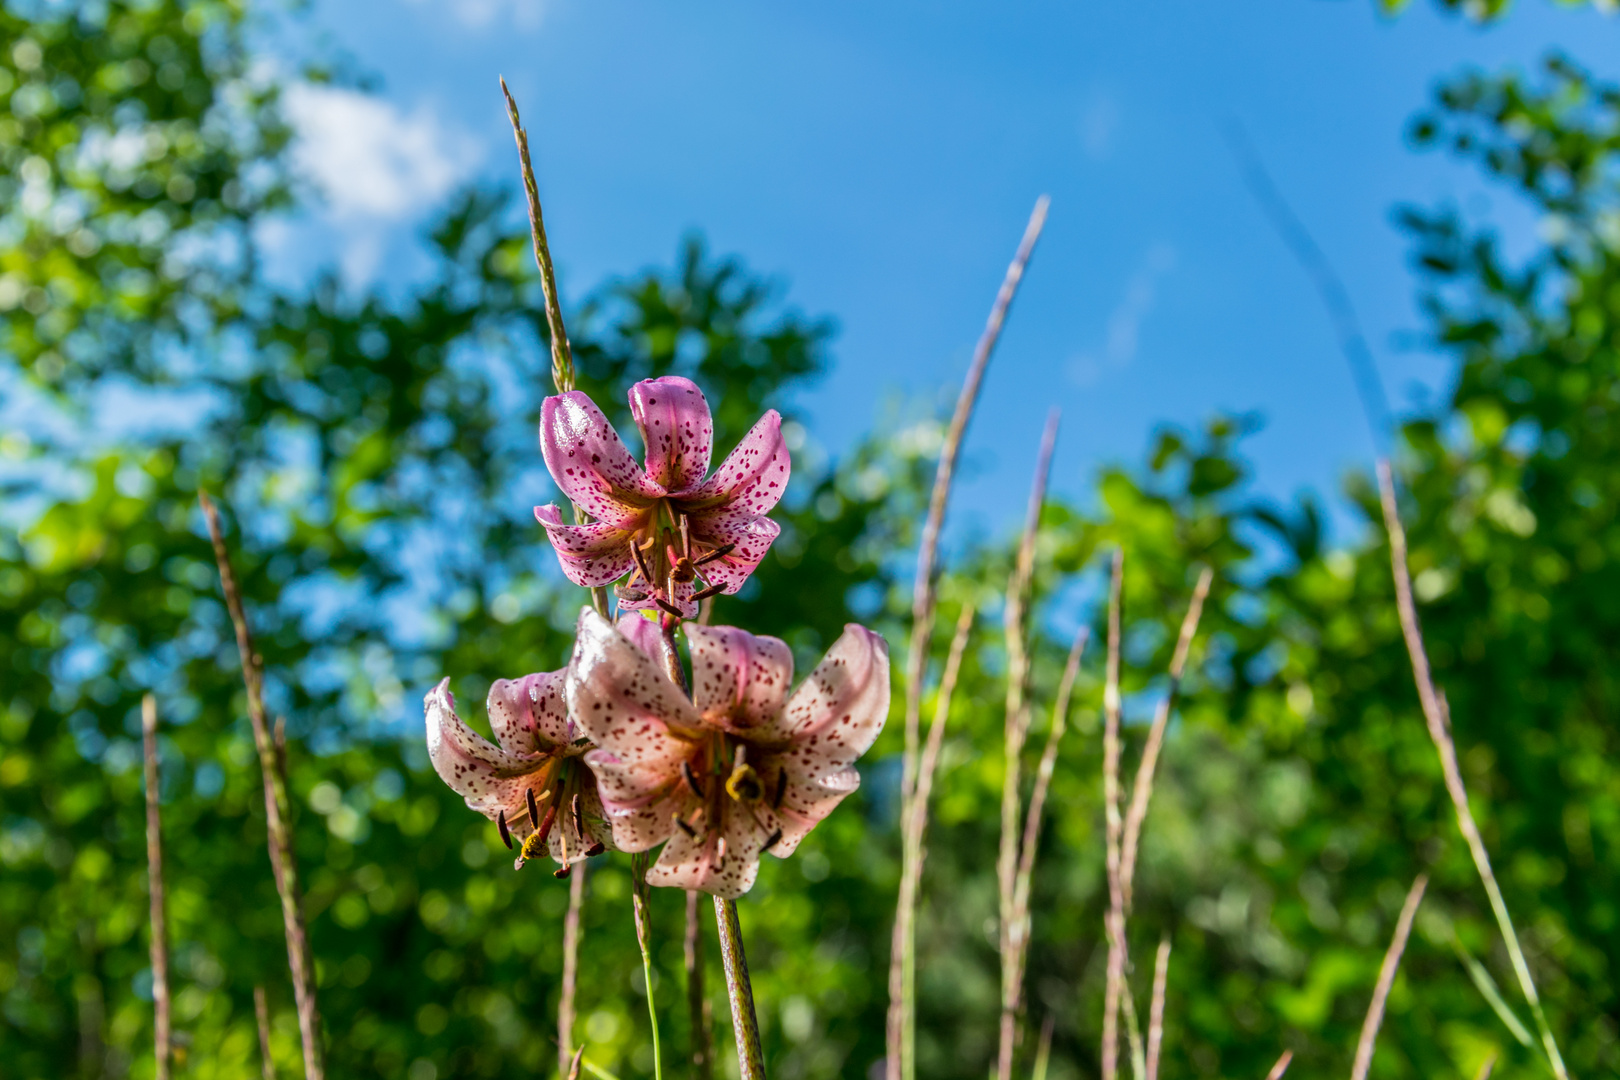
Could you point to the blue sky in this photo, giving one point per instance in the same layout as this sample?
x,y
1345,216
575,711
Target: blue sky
x,y
881,160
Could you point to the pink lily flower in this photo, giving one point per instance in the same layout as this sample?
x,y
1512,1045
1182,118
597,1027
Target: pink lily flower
x,y
534,785
663,524
739,769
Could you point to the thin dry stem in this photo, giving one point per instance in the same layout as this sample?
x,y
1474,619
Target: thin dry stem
x,y
1437,716
1486,1067
1155,1041
562,355
1142,791
1386,979
1114,989
572,932
154,879
744,1021
1015,728
573,1066
697,1001
1281,1067
277,811
261,1014
898,1065
902,994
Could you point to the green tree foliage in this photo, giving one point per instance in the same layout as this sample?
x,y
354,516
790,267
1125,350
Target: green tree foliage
x,y
379,459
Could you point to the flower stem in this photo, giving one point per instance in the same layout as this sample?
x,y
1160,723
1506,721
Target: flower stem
x,y
750,1059
570,973
696,1000
639,897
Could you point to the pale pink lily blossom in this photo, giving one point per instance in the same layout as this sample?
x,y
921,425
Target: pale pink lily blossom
x,y
740,768
663,524
536,779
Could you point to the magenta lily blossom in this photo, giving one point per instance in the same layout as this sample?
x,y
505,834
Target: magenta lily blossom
x,y
739,769
534,785
664,524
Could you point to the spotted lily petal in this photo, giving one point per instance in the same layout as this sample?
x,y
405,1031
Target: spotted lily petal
x,y
489,778
641,722
839,710
530,715
591,464
702,862
751,480
751,540
676,428
738,680
591,555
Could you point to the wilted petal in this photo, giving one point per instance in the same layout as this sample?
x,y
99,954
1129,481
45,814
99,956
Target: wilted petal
x,y
633,713
738,679
839,710
591,555
676,428
752,539
530,715
689,862
751,480
591,464
489,778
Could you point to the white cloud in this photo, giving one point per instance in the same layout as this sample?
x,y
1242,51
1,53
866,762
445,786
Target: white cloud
x,y
477,14
1125,321
371,160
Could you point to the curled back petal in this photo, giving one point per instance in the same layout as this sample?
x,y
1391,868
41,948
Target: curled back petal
x,y
591,464
750,540
807,800
751,480
591,555
676,428
634,827
530,715
839,710
642,723
489,778
644,634
738,679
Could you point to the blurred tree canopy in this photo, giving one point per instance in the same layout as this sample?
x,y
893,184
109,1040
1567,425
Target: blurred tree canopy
x,y
378,457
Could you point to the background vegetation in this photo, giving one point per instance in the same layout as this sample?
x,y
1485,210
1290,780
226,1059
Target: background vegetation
x,y
378,457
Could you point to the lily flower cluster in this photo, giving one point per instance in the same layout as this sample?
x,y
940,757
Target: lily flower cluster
x,y
614,752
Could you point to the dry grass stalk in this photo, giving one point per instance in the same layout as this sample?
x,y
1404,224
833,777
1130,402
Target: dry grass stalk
x,y
572,932
913,832
1124,838
697,1001
562,355
261,1014
1142,791
898,1066
1114,989
277,810
154,879
1438,717
1014,730
1386,979
1486,1067
1155,1041
1281,1067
